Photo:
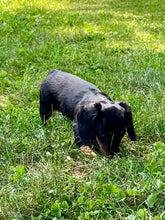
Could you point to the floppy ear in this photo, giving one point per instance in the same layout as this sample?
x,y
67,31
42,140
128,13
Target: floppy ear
x,y
86,118
129,120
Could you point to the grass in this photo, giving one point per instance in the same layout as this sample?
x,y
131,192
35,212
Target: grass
x,y
120,47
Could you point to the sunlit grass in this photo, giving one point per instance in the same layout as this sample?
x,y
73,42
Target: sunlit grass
x,y
117,45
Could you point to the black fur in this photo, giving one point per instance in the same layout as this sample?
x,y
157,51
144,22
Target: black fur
x,y
96,118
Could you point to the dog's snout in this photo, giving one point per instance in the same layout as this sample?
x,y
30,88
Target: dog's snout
x,y
103,148
106,144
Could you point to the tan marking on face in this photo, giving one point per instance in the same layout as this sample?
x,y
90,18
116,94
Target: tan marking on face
x,y
86,150
106,151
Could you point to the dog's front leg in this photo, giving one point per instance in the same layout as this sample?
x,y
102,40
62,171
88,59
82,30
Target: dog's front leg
x,y
79,142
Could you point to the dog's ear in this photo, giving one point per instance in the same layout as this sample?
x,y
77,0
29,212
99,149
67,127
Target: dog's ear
x,y
86,118
97,106
129,120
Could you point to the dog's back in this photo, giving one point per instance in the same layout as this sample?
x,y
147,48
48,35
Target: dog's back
x,y
62,91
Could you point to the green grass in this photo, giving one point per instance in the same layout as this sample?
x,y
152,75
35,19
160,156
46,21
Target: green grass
x,y
120,47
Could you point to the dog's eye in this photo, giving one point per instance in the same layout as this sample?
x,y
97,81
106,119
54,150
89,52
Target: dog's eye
x,y
107,134
122,132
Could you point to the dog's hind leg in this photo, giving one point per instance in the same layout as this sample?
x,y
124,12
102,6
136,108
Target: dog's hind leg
x,y
46,110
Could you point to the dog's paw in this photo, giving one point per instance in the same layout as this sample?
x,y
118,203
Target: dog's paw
x,y
86,150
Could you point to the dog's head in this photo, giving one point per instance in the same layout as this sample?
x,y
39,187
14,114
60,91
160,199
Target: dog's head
x,y
107,123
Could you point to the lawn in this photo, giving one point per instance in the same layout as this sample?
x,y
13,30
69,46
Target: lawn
x,y
117,45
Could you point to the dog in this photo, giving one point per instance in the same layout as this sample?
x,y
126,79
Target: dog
x,y
97,119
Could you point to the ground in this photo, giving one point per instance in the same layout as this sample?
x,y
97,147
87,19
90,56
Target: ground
x,y
120,47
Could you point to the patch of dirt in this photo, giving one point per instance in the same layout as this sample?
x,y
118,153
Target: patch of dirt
x,y
77,173
3,99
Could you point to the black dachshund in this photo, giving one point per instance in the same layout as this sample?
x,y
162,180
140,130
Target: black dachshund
x,y
96,118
